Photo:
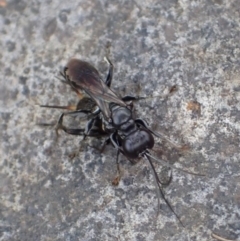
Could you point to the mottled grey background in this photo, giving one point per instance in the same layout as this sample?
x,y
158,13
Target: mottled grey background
x,y
193,45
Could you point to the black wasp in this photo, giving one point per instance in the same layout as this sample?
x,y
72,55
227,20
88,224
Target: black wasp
x,y
111,116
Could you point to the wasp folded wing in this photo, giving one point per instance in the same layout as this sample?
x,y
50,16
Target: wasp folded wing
x,y
84,76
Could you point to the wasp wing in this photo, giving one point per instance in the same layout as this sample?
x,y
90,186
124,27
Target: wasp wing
x,y
84,76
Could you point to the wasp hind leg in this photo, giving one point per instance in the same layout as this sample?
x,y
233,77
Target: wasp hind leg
x,y
92,128
93,131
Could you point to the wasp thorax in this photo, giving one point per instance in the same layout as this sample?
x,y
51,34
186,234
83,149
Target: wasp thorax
x,y
120,115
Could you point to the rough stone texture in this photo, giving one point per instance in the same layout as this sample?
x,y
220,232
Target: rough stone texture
x,y
193,45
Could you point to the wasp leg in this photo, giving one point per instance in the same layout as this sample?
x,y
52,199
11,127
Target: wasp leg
x,y
116,141
80,131
136,98
76,111
67,107
106,142
132,98
110,72
117,179
94,122
84,103
81,113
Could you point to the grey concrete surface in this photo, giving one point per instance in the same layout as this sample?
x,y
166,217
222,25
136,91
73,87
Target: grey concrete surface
x,y
155,45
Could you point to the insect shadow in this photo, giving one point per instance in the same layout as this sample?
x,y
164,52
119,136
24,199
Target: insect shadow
x,y
111,116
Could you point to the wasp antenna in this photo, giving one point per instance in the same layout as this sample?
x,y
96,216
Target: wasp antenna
x,y
45,124
173,167
159,188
